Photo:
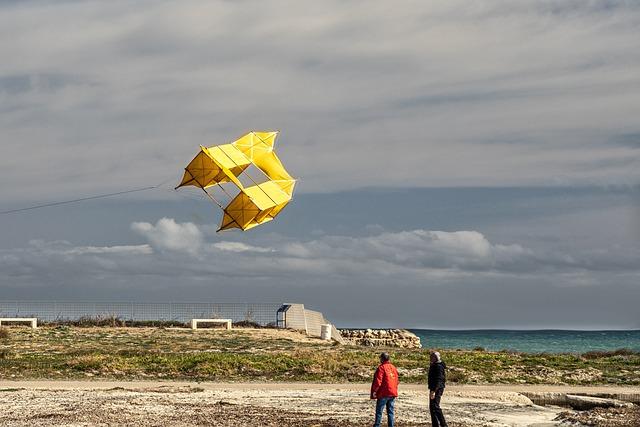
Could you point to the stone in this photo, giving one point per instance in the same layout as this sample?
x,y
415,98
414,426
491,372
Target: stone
x,y
381,338
583,403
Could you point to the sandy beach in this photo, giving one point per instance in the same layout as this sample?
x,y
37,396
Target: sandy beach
x,y
153,403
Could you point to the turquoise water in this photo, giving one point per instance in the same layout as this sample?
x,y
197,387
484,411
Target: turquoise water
x,y
549,341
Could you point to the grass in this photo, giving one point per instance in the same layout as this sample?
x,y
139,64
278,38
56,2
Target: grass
x,y
618,352
112,321
65,352
5,352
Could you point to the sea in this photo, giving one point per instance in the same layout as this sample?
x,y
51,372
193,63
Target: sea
x,y
539,341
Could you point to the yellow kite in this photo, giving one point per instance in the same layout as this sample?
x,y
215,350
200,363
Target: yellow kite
x,y
256,202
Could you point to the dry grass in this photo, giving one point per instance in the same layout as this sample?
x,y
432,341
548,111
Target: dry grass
x,y
277,355
5,352
112,321
619,352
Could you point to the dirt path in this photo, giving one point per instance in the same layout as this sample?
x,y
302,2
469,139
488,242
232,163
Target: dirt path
x,y
103,385
156,403
153,403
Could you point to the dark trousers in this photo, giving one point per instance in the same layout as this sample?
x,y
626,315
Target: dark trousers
x,y
437,418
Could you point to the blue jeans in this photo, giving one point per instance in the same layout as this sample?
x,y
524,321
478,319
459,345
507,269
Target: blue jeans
x,y
380,405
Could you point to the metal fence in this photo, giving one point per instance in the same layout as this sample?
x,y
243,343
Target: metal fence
x,y
48,311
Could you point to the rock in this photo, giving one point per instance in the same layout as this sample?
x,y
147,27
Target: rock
x,y
583,403
577,402
620,417
381,338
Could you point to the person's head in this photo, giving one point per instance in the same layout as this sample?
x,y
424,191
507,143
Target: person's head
x,y
384,357
435,356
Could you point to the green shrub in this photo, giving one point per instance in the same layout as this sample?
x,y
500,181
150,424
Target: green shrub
x,y
87,362
112,321
599,354
456,376
246,324
509,351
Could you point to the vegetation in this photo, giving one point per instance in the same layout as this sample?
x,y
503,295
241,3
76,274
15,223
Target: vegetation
x,y
274,355
112,321
5,352
618,352
117,322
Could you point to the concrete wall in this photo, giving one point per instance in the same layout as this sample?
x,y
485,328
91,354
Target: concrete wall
x,y
310,321
315,320
335,334
295,318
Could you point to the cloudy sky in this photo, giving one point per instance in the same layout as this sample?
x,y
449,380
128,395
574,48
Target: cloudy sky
x,y
461,165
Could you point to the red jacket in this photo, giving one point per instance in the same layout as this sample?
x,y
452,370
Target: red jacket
x,y
385,381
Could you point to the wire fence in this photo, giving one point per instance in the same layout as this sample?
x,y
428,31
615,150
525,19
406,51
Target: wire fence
x,y
51,311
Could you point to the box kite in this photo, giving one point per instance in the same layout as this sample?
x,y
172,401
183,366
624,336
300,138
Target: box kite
x,y
226,165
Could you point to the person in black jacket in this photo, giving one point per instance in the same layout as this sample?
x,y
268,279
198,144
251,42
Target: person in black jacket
x,y
436,381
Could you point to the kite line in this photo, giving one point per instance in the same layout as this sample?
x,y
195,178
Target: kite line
x,y
65,202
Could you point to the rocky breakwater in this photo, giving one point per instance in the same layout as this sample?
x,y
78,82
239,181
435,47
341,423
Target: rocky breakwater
x,y
381,338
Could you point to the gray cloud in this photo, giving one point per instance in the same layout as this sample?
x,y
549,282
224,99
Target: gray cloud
x,y
166,234
433,275
104,96
183,250
36,82
628,139
124,92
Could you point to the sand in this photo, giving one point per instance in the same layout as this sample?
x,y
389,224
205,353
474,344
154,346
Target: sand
x,y
84,403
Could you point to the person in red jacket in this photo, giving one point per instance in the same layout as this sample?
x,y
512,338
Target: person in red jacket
x,y
385,389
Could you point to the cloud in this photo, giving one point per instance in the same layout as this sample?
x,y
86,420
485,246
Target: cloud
x,y
127,90
239,247
432,275
447,93
181,250
627,139
168,235
99,250
411,250
415,253
414,249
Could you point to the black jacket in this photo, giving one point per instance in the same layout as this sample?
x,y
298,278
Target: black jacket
x,y
436,378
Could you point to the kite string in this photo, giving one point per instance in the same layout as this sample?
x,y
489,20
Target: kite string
x,y
82,199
